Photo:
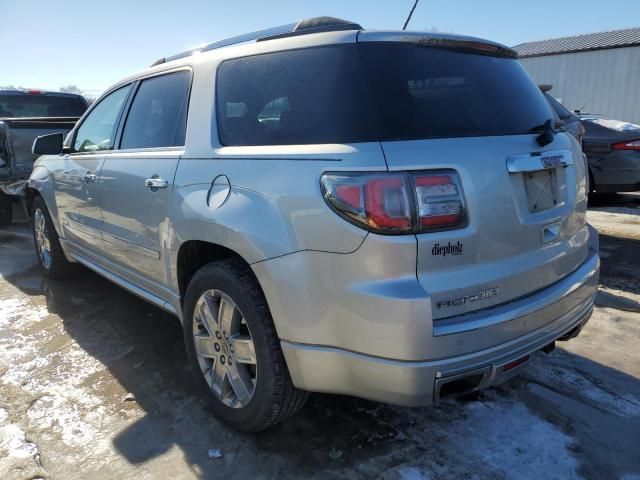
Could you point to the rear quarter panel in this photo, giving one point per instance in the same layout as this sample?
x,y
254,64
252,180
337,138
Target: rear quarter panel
x,y
275,206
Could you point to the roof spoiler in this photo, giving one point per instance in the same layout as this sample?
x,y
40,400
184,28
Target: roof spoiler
x,y
303,27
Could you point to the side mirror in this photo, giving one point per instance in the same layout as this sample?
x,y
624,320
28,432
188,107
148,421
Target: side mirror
x,y
48,144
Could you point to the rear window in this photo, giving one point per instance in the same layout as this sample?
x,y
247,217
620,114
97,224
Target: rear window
x,y
307,96
426,92
41,106
320,95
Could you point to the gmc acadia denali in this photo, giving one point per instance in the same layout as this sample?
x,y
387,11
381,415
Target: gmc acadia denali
x,y
392,215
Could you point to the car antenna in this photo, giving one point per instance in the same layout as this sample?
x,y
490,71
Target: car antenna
x,y
404,27
584,105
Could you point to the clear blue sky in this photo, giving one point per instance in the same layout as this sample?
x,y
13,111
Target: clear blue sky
x,y
92,44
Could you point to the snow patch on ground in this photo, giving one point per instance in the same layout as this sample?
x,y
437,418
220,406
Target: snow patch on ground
x,y
512,440
618,221
22,372
62,403
496,438
18,309
62,415
621,403
3,415
14,442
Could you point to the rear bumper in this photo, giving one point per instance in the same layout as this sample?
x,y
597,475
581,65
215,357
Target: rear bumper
x,y
412,383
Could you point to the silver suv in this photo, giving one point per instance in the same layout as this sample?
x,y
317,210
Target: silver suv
x,y
389,215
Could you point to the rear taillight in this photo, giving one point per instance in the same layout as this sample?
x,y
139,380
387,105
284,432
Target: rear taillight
x,y
629,145
440,202
396,203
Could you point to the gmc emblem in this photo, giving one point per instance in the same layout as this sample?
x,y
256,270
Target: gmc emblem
x,y
553,161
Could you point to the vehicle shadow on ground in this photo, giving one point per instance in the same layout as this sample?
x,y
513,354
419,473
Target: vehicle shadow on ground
x,y
619,265
332,434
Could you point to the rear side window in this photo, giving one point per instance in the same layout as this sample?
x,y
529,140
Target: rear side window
x,y
158,113
314,95
426,92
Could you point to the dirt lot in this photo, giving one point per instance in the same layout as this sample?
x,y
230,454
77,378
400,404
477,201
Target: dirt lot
x,y
94,384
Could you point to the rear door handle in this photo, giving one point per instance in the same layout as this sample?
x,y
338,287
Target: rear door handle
x,y
89,177
155,183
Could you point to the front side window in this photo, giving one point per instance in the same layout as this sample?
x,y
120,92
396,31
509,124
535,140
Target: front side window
x,y
308,96
98,129
158,114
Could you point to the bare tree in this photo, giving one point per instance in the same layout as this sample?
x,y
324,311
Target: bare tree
x,y
71,89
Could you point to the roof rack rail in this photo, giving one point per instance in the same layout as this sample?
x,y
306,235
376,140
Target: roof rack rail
x,y
303,27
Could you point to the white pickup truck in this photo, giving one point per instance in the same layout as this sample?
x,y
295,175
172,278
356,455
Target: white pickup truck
x,y
25,115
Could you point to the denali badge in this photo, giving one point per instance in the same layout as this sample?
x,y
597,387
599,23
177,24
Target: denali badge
x,y
474,297
448,249
553,161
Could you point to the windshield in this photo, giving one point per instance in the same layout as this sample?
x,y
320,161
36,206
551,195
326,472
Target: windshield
x,y
427,92
41,106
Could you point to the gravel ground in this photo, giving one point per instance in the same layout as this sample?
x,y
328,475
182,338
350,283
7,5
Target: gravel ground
x,y
94,384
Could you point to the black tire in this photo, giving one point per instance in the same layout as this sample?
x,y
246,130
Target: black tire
x,y
6,210
58,267
274,398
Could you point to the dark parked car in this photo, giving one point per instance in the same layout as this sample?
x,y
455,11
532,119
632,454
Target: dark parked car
x,y
572,123
25,115
613,151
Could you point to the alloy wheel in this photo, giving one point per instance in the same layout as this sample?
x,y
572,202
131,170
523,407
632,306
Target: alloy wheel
x,y
42,241
225,349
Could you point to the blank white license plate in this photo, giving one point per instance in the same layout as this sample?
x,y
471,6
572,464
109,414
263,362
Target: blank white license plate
x,y
542,189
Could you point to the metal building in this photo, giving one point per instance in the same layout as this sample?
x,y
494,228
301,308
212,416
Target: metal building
x,y
595,73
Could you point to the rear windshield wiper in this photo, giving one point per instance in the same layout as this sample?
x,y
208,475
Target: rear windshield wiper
x,y
547,131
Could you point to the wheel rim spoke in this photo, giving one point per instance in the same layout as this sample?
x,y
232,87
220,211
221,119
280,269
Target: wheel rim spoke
x,y
244,350
207,317
219,372
225,315
241,387
205,346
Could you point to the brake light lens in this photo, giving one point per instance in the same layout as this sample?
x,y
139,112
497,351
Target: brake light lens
x,y
440,202
397,203
632,145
